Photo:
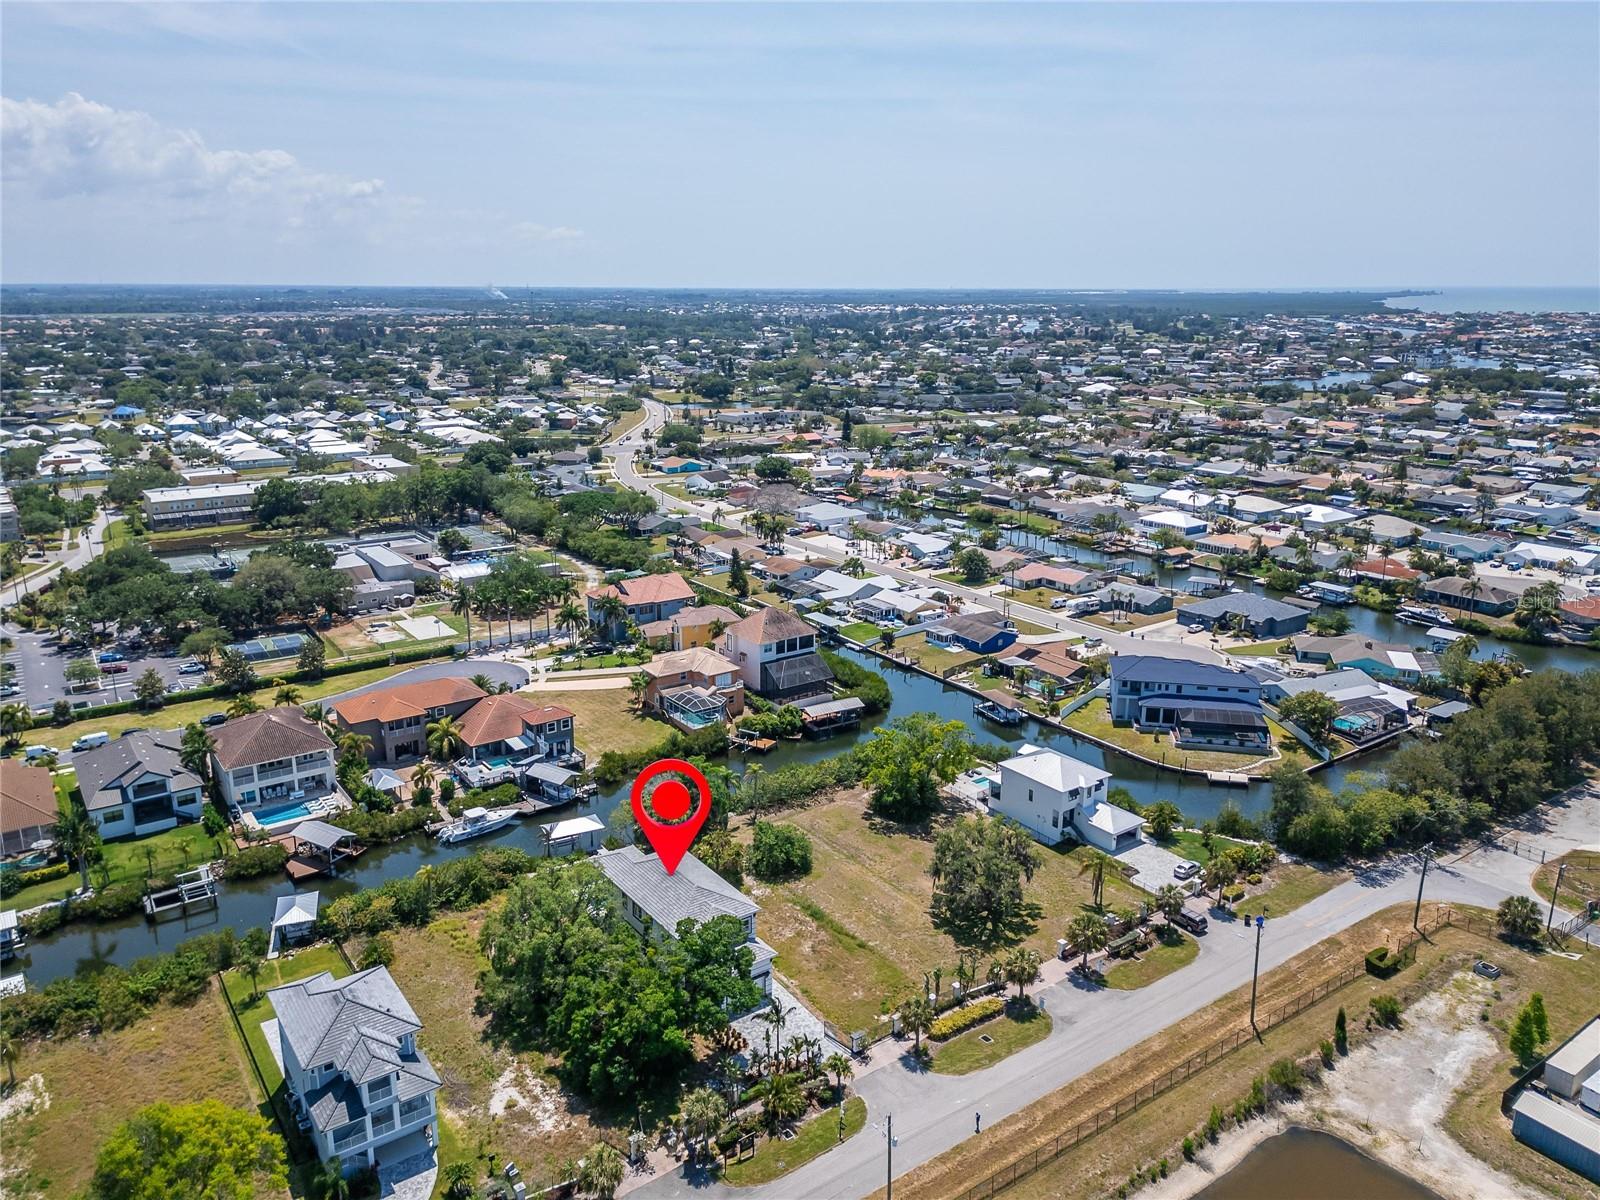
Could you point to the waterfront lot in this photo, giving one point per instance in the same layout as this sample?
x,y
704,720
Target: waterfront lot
x,y
132,860
1094,719
604,719
854,935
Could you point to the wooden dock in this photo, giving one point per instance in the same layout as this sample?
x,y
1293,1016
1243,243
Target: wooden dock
x,y
756,745
193,889
1227,779
303,866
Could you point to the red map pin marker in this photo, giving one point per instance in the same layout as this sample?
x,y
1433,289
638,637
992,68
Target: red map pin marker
x,y
673,828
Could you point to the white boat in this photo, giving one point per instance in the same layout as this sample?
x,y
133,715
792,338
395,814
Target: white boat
x,y
476,822
1423,614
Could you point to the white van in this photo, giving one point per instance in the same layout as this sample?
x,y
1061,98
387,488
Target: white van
x,y
1061,602
34,753
90,741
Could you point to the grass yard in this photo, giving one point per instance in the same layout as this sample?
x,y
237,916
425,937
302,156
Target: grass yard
x,y
173,716
1133,620
1172,951
862,631
492,1098
1032,630
1094,719
604,719
1580,882
1289,885
960,580
1258,649
90,1086
933,658
1096,1167
1186,843
1012,1031
255,1009
854,936
776,1157
134,859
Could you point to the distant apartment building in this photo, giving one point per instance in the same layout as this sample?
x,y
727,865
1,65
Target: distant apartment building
x,y
201,504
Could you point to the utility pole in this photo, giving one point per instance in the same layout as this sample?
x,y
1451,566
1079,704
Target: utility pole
x,y
1560,871
1416,913
1255,973
888,1133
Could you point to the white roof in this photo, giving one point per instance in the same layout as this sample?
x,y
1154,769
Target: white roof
x,y
1115,821
1055,770
297,909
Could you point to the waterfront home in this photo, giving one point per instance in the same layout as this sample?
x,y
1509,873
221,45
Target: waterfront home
x,y
270,757
1204,706
1460,546
693,688
396,718
1566,559
138,784
1260,616
984,632
688,627
1046,663
776,655
1045,575
656,903
511,726
1056,797
645,599
1132,598
28,812
357,1080
1378,659
1474,595
1384,570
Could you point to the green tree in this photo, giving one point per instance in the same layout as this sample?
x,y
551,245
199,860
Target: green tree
x,y
313,657
78,838
603,1168
1518,918
1163,817
1524,1040
1087,933
1094,864
195,751
738,580
234,671
199,1151
840,1067
779,852
1313,712
11,1051
458,1177
1541,1020
906,764
150,690
203,644
703,1111
979,867
1021,967
82,671
783,1102
1341,1033
444,739
916,1018
1170,900
972,564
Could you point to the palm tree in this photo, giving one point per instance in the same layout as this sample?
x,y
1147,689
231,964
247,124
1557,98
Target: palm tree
x,y
10,1052
783,1101
1094,863
444,739
572,620
637,682
916,1014
78,837
355,745
458,1180
15,720
703,1113
1086,933
609,613
841,1068
601,1175
242,706
1022,968
482,682
462,607
1219,874
286,694
1169,900
323,717
331,1182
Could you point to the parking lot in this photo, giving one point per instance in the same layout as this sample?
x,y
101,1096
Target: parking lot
x,y
40,672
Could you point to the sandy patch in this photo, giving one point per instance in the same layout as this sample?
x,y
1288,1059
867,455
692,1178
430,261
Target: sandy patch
x,y
1389,1097
523,1095
425,629
27,1098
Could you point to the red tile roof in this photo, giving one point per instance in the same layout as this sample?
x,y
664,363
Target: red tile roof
x,y
648,589
496,718
27,797
406,700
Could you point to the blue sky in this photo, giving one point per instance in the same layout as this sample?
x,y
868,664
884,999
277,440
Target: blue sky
x,y
820,145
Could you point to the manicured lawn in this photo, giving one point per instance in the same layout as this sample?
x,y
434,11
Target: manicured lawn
x,y
1185,843
1132,621
1289,885
1039,597
1257,649
862,631
600,660
957,578
174,716
1094,719
933,658
1029,628
178,1053
133,859
117,533
1171,952
776,1157
1580,883
854,936
604,719
1011,1031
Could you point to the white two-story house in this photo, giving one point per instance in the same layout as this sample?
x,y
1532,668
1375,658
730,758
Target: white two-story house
x,y
272,759
138,784
356,1077
1056,797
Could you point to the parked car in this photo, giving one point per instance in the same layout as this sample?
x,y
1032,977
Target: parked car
x,y
36,752
192,668
1061,602
1186,870
110,656
1191,918
114,668
10,689
214,719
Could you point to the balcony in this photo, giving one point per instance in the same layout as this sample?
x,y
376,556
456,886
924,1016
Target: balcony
x,y
275,773
349,1137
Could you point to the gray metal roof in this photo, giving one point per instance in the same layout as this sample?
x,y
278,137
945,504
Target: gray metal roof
x,y
693,892
105,771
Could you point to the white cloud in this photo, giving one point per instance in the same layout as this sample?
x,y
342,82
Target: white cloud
x,y
77,147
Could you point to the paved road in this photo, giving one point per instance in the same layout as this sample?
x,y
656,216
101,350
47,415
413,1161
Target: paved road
x,y
41,667
933,1113
92,542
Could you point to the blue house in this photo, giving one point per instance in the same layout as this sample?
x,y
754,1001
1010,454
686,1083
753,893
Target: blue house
x,y
126,412
980,633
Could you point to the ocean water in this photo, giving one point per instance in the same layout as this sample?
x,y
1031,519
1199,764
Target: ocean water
x,y
1503,299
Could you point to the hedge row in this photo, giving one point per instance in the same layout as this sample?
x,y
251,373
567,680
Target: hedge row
x,y
12,882
960,1020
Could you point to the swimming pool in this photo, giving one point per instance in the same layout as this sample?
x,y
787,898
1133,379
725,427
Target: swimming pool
x,y
284,814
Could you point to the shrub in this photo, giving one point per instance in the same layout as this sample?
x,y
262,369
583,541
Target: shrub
x,y
378,952
1214,1123
1325,1049
1188,1148
1234,891
1386,1010
1341,1037
256,860
959,1020
12,882
1253,877
779,852
1285,1075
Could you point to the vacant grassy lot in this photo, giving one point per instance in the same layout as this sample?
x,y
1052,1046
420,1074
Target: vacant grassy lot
x,y
1186,843
1015,1029
1172,951
1580,882
174,716
1289,885
776,1157
854,936
862,631
1258,649
503,1101
1098,1165
90,1086
604,719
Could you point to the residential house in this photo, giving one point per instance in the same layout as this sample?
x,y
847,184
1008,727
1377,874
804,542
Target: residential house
x,y
1204,706
688,627
396,719
984,632
1057,798
204,504
1049,665
1385,570
1132,598
138,784
270,757
1460,546
1377,659
28,811
656,903
351,1063
511,725
1261,616
1061,579
776,654
693,688
645,599
1474,595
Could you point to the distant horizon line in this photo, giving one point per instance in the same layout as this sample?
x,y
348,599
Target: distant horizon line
x,y
1328,289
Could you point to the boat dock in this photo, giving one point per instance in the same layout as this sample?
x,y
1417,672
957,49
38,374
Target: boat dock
x,y
748,741
192,889
999,707
1227,779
